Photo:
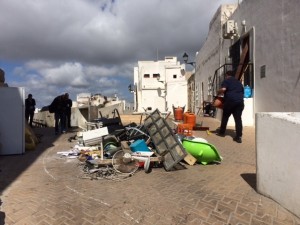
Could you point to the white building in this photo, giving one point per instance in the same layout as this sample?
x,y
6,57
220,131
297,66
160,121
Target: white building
x,y
259,39
159,85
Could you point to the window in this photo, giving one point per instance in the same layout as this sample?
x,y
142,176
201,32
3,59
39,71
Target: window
x,y
156,75
174,76
146,75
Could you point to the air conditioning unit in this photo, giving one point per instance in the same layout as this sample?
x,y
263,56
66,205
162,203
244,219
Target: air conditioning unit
x,y
94,137
228,29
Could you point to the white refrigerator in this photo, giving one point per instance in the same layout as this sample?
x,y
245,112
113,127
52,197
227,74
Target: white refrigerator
x,y
12,120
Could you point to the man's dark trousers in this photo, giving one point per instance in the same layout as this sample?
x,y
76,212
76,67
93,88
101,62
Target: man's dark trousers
x,y
236,109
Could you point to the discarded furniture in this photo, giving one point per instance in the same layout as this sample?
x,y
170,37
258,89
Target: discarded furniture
x,y
164,140
204,152
113,123
94,137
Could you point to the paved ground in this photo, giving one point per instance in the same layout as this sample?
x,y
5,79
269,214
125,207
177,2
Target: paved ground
x,y
40,187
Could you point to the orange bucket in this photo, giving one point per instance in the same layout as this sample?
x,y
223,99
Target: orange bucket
x,y
178,113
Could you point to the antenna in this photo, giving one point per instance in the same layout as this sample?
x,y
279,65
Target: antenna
x,y
156,54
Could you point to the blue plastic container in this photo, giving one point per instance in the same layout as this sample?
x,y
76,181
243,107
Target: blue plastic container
x,y
139,146
247,92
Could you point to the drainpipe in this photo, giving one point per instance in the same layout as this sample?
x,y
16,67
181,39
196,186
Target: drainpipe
x,y
220,47
136,97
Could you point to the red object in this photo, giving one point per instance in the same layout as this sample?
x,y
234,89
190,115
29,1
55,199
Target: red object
x,y
141,164
190,118
218,102
185,129
178,113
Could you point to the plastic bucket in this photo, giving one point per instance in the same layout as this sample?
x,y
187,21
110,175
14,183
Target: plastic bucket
x,y
178,113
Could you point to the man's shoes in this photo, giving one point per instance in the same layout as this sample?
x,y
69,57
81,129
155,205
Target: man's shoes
x,y
238,139
220,134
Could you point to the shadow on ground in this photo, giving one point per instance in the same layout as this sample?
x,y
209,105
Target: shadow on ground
x,y
229,132
2,216
250,178
11,166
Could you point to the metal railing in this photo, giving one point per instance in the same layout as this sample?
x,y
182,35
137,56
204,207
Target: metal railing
x,y
247,76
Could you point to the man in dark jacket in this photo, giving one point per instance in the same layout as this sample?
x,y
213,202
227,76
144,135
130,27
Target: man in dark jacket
x,y
59,106
29,109
68,110
233,91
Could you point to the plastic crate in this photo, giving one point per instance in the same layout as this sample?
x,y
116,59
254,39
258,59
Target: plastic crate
x,y
185,129
164,140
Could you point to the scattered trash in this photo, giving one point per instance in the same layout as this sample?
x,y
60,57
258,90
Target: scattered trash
x,y
108,153
204,152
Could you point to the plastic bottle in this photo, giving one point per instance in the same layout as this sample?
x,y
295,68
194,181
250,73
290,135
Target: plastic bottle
x,y
247,92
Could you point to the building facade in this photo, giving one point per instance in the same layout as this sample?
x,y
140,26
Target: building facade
x,y
258,41
159,85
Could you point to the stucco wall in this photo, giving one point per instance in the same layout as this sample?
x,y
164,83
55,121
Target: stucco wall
x,y
277,150
277,38
273,26
158,92
212,54
81,115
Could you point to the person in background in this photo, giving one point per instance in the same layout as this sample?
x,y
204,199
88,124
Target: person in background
x,y
233,92
29,109
68,110
59,106
2,79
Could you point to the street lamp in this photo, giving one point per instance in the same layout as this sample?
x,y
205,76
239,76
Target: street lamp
x,y
186,58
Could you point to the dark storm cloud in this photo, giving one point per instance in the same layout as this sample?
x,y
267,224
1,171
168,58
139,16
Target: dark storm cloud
x,y
90,44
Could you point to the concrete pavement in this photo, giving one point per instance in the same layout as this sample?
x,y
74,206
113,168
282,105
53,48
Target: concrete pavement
x,y
40,187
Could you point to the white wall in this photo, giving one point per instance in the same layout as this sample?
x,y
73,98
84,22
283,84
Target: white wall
x,y
177,95
273,26
12,120
248,118
213,52
81,115
277,150
212,55
277,38
160,93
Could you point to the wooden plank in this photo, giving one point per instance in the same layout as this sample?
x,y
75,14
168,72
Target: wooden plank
x,y
156,159
124,145
101,151
200,128
100,162
105,162
189,159
238,73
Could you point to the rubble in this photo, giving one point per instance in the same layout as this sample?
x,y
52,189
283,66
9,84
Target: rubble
x,y
109,150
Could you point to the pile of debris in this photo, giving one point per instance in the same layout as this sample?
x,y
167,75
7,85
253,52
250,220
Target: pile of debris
x,y
111,151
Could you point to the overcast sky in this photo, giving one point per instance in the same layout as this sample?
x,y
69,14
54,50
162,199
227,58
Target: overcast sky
x,y
91,46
